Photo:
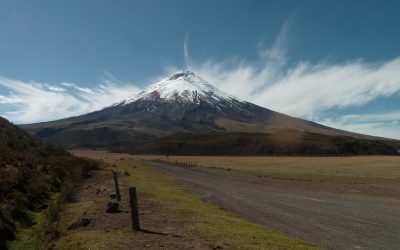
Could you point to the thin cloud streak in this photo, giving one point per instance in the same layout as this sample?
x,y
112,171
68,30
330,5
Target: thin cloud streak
x,y
383,124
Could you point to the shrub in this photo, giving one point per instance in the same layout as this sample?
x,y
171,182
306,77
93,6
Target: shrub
x,y
17,202
126,173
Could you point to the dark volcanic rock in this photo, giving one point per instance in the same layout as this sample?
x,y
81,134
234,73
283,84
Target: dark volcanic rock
x,y
112,207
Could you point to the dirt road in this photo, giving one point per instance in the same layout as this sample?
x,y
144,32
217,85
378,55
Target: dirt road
x,y
332,220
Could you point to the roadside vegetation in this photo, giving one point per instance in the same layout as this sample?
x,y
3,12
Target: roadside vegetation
x,y
36,179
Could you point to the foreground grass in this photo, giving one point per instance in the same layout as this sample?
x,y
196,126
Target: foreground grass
x,y
98,240
220,227
35,236
28,237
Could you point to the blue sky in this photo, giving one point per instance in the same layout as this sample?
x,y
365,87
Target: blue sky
x,y
333,62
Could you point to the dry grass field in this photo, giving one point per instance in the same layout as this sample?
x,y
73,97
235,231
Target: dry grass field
x,y
387,167
364,175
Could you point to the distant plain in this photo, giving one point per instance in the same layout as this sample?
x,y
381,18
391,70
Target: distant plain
x,y
355,166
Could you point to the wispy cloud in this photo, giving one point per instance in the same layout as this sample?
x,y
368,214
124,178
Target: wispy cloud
x,y
33,102
305,89
382,124
10,99
186,50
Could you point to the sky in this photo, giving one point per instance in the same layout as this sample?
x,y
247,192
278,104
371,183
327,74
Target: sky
x,y
332,62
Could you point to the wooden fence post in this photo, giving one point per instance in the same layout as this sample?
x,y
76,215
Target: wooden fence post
x,y
134,209
116,185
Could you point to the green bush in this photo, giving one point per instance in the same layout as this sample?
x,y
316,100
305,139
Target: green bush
x,y
126,173
17,202
38,188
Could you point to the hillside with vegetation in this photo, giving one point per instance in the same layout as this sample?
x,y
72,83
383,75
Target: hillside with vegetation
x,y
35,177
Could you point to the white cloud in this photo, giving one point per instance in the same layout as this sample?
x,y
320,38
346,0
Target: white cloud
x,y
73,85
368,118
34,102
10,99
305,89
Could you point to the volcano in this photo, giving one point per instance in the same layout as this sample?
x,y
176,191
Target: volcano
x,y
180,103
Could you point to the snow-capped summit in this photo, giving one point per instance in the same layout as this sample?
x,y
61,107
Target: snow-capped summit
x,y
183,86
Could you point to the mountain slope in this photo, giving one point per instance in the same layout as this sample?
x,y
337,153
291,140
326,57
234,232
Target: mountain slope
x,y
183,102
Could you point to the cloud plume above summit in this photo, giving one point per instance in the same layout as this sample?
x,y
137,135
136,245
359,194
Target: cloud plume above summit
x,y
305,89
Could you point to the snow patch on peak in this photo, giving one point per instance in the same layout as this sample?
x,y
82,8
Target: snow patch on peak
x,y
181,85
